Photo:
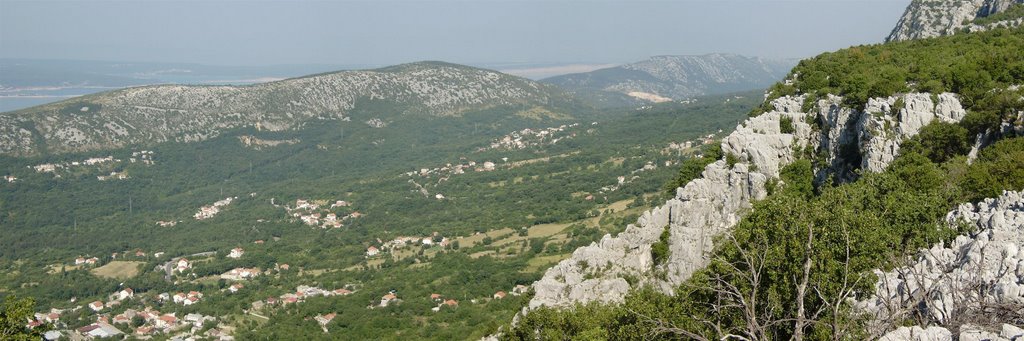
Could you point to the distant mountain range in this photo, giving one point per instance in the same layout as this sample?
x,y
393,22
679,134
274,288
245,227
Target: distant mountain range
x,y
665,78
182,113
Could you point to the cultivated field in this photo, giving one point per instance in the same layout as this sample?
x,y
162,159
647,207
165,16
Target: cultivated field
x,y
118,269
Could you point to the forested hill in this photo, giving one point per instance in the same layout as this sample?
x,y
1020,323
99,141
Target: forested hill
x,y
182,113
664,78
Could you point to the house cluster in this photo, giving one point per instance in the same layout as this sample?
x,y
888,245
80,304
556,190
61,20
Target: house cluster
x,y
113,300
154,322
209,211
533,137
167,223
400,242
680,147
144,156
376,123
54,167
443,302
624,179
108,324
445,172
137,253
52,317
301,293
312,213
240,274
10,178
113,176
86,261
192,297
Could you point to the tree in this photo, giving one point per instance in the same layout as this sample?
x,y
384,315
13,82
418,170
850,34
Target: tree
x,y
13,319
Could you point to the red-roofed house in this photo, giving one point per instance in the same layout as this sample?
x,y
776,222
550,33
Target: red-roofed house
x,y
126,293
166,321
236,253
143,330
499,295
236,287
387,299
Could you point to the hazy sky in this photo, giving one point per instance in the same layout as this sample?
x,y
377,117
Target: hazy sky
x,y
388,32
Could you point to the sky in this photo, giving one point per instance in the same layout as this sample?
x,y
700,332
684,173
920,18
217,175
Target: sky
x,y
384,32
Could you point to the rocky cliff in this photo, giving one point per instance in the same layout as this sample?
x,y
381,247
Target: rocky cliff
x,y
605,271
153,114
933,18
665,78
963,284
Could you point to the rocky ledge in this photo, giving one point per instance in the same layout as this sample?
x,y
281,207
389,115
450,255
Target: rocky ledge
x,y
606,270
974,284
933,18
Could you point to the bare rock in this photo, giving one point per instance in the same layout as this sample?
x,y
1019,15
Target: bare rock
x,y
957,282
916,333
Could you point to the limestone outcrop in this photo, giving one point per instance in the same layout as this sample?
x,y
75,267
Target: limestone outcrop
x,y
933,18
978,279
847,138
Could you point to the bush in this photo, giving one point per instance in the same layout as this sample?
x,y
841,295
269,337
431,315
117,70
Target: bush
x,y
659,250
940,141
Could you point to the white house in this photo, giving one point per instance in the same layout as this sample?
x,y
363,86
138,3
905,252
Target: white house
x,y
235,287
99,330
183,264
236,253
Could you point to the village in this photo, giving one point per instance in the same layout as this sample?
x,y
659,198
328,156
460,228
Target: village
x,y
208,211
528,138
260,291
318,214
103,164
145,315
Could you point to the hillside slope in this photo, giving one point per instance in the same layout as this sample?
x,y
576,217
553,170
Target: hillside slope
x,y
831,134
665,78
153,114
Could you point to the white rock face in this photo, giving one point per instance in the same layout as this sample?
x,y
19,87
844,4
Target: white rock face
x,y
953,282
916,333
882,134
933,18
712,204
